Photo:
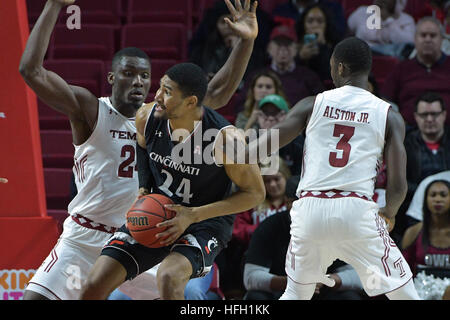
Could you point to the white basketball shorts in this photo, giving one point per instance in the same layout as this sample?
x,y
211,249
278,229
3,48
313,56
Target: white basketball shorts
x,y
65,270
349,229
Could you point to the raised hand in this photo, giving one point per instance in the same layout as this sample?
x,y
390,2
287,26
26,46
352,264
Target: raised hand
x,y
243,23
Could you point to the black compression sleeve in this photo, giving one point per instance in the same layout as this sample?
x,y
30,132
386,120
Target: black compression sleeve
x,y
144,173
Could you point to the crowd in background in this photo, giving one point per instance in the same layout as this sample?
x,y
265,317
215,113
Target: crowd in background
x,y
290,61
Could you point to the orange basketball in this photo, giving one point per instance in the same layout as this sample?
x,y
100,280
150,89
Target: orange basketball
x,y
143,217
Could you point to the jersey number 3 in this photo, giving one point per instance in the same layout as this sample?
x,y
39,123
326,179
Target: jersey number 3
x,y
347,133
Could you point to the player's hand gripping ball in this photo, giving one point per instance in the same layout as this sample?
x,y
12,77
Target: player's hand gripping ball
x,y
143,217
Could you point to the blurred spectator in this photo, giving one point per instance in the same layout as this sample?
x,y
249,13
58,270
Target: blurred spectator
x,y
428,71
414,212
274,110
298,81
263,83
291,11
276,201
439,9
397,27
427,243
427,150
427,147
212,43
317,36
231,258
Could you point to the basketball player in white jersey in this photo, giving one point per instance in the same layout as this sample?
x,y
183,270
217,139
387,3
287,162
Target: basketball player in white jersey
x,y
348,132
104,137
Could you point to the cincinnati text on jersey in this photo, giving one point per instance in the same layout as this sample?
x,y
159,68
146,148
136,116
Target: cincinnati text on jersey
x,y
168,162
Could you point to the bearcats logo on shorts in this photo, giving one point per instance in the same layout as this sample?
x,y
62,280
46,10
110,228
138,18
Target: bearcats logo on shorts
x,y
211,245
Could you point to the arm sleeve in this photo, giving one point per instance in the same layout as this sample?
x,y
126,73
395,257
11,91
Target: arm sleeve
x,y
144,173
257,277
350,279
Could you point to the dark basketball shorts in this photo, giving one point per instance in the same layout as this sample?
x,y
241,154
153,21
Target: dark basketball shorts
x,y
198,245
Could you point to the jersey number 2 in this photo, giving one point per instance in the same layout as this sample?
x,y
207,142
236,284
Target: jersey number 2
x,y
125,168
347,133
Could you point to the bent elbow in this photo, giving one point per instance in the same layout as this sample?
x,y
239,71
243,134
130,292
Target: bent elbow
x,y
28,71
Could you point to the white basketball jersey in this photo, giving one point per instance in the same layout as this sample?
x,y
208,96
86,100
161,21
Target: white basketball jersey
x,y
344,141
105,169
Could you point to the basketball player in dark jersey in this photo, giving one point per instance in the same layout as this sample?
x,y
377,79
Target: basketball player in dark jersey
x,y
197,178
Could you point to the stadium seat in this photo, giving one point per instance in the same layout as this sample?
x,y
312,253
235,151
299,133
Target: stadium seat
x,y
34,8
268,6
100,11
59,215
159,67
97,12
154,11
50,119
57,148
158,40
88,74
57,187
382,66
89,42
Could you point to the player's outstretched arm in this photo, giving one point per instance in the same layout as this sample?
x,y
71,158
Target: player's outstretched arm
x,y
225,82
284,132
50,87
395,157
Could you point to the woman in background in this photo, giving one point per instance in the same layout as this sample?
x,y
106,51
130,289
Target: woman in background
x,y
262,84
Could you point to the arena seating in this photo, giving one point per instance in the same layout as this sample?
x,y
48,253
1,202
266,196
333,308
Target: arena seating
x,y
88,74
89,42
57,187
83,57
154,11
158,40
382,66
57,148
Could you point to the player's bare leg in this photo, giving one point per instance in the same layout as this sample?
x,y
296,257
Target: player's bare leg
x,y
173,275
106,275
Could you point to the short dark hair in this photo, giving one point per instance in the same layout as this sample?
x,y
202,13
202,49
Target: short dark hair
x,y
128,52
430,97
355,54
191,80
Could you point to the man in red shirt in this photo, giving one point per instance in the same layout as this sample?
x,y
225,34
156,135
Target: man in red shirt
x,y
428,71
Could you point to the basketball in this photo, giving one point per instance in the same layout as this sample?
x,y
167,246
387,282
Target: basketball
x,y
143,217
